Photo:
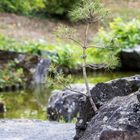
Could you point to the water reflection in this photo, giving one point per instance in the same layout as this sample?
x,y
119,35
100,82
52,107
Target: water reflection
x,y
97,77
26,104
32,103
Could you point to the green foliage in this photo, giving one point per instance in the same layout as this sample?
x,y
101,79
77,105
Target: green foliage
x,y
57,79
11,75
11,44
21,6
76,10
65,58
106,56
120,35
65,32
63,55
66,55
60,7
88,10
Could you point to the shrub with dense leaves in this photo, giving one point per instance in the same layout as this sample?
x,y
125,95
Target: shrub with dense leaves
x,y
60,7
11,75
64,52
21,6
121,34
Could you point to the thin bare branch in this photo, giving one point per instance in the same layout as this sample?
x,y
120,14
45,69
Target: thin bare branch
x,y
76,41
96,20
97,66
92,46
71,89
99,47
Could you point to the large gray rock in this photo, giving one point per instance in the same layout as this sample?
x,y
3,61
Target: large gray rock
x,y
35,130
130,58
116,118
65,104
101,93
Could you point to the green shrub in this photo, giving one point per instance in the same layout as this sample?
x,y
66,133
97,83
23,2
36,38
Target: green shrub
x,y
120,35
21,6
67,54
64,53
11,75
60,7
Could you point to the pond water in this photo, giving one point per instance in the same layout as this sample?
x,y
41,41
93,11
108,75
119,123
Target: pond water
x,y
32,103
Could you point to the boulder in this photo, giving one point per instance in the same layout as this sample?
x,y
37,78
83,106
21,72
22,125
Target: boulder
x,y
117,119
102,93
65,104
130,58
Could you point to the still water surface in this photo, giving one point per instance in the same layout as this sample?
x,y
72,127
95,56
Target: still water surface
x,y
32,104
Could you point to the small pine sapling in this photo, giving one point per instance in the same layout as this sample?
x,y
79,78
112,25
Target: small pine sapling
x,y
89,12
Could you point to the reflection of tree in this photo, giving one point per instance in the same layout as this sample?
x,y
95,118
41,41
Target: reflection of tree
x,y
41,94
22,104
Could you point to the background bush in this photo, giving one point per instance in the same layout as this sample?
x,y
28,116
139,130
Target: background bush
x,y
50,7
60,7
21,6
120,35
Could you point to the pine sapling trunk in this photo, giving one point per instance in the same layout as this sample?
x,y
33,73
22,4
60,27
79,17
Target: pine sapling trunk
x,y
84,69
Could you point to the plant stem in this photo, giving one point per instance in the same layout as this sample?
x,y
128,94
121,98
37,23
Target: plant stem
x,y
84,69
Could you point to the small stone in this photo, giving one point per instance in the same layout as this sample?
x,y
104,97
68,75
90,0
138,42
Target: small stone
x,y
105,119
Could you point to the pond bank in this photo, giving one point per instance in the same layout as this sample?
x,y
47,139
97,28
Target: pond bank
x,y
35,130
